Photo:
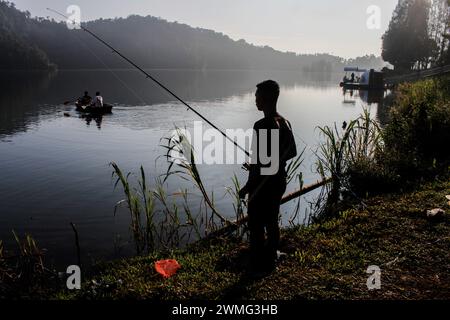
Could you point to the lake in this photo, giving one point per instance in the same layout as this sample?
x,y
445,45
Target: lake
x,y
55,166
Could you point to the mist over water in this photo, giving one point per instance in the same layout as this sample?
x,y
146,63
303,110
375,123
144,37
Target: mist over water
x,y
55,168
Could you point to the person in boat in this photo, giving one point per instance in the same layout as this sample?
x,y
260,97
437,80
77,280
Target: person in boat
x,y
85,100
352,77
265,191
98,101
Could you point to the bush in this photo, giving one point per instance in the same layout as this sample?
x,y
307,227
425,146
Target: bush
x,y
367,178
364,159
417,138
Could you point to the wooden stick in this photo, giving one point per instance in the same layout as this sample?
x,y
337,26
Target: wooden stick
x,y
77,243
233,226
304,190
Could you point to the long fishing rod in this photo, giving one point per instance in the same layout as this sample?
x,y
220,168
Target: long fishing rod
x,y
151,77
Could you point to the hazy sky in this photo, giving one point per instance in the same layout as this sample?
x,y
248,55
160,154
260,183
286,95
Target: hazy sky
x,y
303,26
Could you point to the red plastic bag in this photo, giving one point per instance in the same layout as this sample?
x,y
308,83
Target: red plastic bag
x,y
167,268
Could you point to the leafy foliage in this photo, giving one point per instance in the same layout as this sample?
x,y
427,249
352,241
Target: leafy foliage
x,y
16,49
415,37
418,135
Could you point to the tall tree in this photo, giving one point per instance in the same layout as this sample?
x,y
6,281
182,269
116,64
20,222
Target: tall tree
x,y
16,51
437,27
407,43
445,45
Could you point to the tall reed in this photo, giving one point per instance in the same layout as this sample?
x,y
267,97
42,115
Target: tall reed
x,y
357,142
30,256
238,204
171,230
181,153
140,203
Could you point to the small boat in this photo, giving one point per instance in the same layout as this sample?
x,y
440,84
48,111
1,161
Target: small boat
x,y
107,108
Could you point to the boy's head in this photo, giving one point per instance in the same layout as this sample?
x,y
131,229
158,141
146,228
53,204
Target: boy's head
x,y
97,93
267,94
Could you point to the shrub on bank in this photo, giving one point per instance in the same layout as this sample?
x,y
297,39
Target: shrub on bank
x,y
417,138
366,177
414,145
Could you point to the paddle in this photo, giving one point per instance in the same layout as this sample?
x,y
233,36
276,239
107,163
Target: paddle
x,y
74,101
69,102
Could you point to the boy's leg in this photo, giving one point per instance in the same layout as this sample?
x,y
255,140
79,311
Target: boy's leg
x,y
272,222
256,229
273,237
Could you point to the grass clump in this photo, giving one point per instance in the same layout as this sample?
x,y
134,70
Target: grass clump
x,y
342,153
23,273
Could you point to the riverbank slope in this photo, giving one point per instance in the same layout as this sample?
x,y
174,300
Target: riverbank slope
x,y
324,261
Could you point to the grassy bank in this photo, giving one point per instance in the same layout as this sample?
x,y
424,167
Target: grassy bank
x,y
324,261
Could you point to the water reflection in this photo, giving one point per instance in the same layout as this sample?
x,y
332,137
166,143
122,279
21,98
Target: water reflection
x,y
97,119
26,96
348,97
379,98
369,97
19,106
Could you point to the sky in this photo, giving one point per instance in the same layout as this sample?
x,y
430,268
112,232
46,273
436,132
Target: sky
x,y
338,27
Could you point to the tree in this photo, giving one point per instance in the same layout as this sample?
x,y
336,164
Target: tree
x,y
438,25
16,52
445,45
407,43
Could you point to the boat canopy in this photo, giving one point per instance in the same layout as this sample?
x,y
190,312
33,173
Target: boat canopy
x,y
354,69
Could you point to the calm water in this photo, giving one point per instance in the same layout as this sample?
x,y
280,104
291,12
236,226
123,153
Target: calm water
x,y
55,169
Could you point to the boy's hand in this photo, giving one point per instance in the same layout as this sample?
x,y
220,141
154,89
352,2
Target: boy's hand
x,y
243,192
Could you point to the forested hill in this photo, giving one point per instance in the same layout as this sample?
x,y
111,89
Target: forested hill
x,y
17,51
152,42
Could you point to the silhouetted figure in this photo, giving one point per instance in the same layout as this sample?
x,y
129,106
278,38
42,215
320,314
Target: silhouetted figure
x,y
352,77
98,100
86,99
265,191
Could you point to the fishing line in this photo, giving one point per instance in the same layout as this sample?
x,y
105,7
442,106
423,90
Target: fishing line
x,y
148,76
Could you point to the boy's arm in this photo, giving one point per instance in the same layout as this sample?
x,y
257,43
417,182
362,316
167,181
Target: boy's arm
x,y
252,181
253,167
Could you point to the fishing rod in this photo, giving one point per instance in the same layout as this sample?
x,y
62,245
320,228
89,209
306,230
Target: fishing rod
x,y
148,76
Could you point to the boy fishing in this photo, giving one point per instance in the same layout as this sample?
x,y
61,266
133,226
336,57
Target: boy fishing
x,y
273,139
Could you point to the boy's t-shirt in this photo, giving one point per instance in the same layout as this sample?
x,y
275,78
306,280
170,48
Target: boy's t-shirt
x,y
287,150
